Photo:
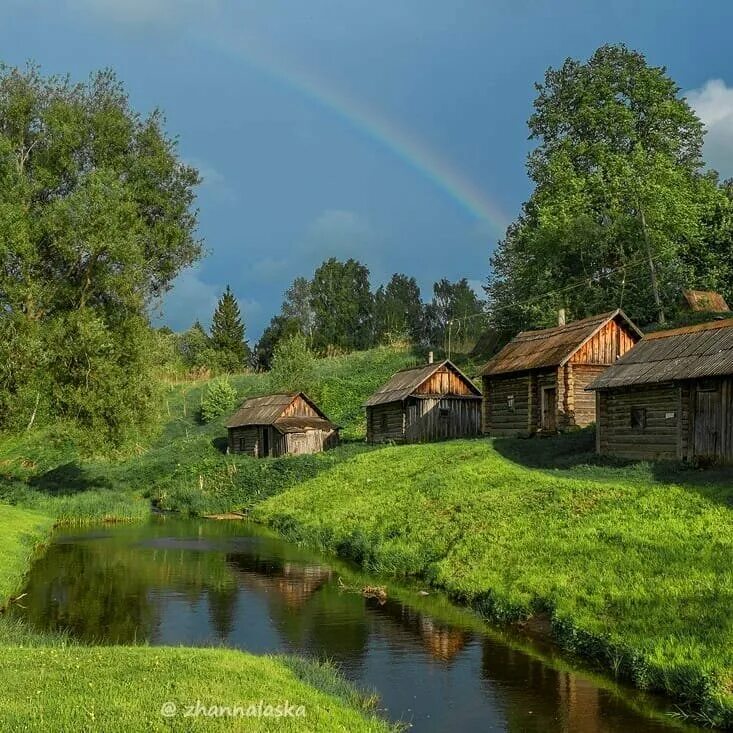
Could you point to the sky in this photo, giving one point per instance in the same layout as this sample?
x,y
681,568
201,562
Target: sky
x,y
391,131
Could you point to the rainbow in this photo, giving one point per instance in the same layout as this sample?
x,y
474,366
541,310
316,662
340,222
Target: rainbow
x,y
428,163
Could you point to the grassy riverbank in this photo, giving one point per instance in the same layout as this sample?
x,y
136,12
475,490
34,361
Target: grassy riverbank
x,y
45,681
632,564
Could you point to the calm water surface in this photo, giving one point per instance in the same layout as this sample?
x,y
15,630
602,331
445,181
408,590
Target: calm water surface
x,y
174,581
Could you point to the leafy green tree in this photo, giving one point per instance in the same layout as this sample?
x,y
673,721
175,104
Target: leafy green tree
x,y
398,310
343,305
297,306
456,316
194,346
293,366
619,201
280,327
218,399
227,334
96,220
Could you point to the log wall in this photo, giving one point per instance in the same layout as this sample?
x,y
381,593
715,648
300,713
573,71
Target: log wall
x,y
657,439
503,416
386,423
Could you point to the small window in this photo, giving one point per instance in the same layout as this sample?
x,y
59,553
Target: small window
x,y
638,418
444,414
241,445
510,402
707,385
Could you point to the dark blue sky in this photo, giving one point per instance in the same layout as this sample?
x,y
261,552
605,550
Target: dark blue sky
x,y
391,131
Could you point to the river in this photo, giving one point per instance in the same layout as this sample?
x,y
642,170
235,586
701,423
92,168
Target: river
x,y
233,583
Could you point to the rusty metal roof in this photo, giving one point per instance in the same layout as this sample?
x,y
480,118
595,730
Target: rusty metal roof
x,y
691,352
402,384
705,300
269,409
550,347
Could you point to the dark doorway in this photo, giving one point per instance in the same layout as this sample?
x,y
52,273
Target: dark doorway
x,y
549,412
265,442
708,412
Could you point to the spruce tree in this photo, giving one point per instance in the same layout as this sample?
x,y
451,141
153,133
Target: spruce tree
x,y
227,332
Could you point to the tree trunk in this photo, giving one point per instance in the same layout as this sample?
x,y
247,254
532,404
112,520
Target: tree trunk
x,y
652,269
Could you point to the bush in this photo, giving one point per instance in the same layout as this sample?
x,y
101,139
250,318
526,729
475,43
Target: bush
x,y
218,399
293,366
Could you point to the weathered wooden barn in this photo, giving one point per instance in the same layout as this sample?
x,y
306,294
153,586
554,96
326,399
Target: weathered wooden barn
x,y
671,396
425,403
536,383
278,424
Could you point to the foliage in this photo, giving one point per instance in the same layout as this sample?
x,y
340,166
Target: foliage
x,y
631,563
621,208
95,221
227,334
293,366
398,311
342,306
218,399
455,315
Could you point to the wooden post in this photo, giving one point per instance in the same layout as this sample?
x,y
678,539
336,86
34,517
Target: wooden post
x,y
530,402
570,394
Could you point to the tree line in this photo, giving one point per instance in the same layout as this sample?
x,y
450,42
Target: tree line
x,y
336,311
97,219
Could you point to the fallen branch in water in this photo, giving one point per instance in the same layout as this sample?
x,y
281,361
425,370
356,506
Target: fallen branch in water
x,y
368,591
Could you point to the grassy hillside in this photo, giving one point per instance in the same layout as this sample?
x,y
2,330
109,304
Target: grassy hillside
x,y
632,564
185,466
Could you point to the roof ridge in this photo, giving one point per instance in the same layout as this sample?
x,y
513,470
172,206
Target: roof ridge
x,y
697,327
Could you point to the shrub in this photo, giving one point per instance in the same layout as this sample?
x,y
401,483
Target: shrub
x,y
218,399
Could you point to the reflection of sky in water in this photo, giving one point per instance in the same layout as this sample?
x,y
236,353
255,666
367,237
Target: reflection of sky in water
x,y
198,583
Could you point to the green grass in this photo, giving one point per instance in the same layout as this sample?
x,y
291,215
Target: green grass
x,y
79,688
632,563
21,531
185,467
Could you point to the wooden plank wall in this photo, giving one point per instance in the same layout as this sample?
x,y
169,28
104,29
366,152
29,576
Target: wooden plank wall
x,y
299,407
445,381
310,441
657,440
386,423
249,435
612,341
498,417
425,423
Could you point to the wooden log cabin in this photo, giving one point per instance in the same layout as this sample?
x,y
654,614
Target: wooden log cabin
x,y
670,397
280,424
536,383
424,403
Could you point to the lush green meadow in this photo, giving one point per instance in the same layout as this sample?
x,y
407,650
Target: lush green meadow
x,y
631,563
185,467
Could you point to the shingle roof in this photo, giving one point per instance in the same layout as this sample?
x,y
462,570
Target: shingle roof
x,y
269,409
705,300
549,347
405,382
692,352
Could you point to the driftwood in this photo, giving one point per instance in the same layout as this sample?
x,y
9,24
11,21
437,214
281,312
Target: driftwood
x,y
368,591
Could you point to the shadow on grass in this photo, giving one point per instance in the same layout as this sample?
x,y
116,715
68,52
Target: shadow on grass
x,y
69,478
575,454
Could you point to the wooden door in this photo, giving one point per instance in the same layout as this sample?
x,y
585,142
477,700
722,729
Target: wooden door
x,y
549,409
708,421
264,446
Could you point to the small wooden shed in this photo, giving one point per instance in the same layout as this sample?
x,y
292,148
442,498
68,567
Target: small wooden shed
x,y
424,403
279,424
708,301
536,383
670,397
